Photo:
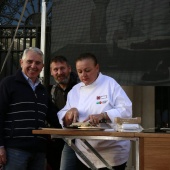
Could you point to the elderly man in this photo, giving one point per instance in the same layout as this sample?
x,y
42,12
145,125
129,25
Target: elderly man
x,y
25,105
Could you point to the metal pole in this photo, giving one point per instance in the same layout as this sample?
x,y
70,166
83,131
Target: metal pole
x,y
43,35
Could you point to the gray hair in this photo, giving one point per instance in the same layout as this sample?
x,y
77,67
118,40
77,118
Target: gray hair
x,y
33,49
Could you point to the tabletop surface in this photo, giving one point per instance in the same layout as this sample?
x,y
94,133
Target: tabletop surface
x,y
82,132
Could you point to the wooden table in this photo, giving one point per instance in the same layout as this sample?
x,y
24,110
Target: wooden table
x,y
154,151
69,134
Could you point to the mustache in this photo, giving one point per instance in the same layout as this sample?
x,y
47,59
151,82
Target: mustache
x,y
61,76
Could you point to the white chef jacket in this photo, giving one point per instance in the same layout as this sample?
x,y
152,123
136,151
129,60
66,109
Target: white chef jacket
x,y
103,95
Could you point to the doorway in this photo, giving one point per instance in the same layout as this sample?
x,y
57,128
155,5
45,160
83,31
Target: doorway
x,y
162,106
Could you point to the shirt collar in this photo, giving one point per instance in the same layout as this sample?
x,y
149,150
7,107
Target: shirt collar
x,y
33,85
94,83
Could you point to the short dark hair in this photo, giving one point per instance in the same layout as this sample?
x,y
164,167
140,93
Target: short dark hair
x,y
60,59
87,56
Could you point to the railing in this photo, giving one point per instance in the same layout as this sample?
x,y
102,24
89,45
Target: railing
x,y
26,37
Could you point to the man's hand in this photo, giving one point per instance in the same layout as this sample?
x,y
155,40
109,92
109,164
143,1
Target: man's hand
x,y
2,155
70,116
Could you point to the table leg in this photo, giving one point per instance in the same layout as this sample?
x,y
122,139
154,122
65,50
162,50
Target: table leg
x,y
97,154
71,144
137,153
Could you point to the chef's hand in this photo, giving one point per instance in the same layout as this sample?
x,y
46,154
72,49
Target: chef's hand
x,y
71,116
2,155
94,119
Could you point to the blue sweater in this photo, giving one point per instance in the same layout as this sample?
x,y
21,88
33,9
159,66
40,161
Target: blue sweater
x,y
21,111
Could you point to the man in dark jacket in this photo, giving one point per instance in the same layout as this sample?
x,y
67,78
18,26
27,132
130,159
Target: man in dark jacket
x,y
25,105
65,79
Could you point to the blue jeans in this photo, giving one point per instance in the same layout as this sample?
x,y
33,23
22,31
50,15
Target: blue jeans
x,y
68,158
24,160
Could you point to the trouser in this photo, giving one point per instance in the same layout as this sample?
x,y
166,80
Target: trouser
x,y
24,160
68,158
54,150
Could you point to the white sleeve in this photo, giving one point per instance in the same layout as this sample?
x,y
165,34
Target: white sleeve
x,y
67,107
122,106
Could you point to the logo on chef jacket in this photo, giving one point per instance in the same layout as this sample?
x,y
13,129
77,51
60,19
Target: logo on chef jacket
x,y
100,98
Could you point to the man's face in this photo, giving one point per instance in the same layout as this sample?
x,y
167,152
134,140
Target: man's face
x,y
60,72
32,65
